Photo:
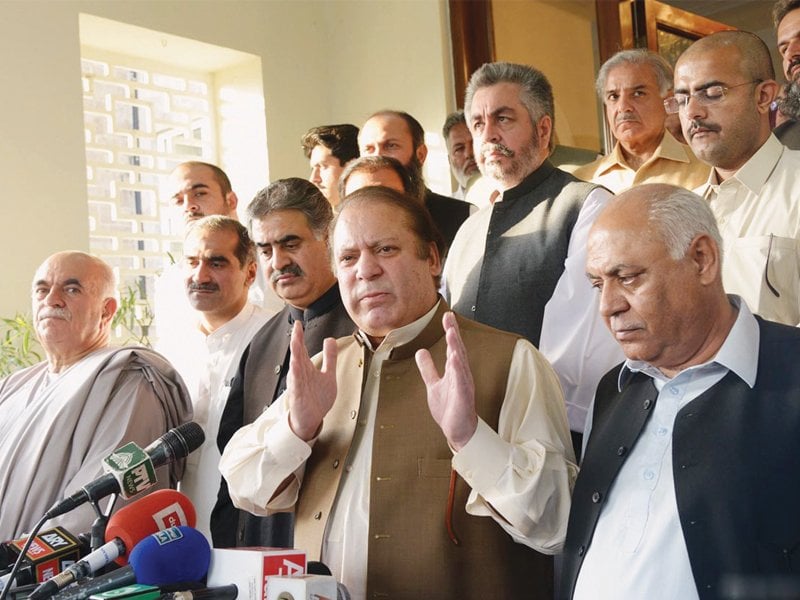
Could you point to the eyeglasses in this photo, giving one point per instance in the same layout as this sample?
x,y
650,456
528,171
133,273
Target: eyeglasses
x,y
704,97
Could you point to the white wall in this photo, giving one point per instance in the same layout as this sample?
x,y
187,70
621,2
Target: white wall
x,y
322,61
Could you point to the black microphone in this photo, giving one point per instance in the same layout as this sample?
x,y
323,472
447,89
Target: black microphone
x,y
176,443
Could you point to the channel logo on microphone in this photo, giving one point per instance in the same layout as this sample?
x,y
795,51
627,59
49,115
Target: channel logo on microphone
x,y
170,516
132,468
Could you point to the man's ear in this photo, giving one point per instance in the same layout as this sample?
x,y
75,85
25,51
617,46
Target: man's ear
x,y
705,254
422,153
109,309
544,129
766,92
232,201
252,268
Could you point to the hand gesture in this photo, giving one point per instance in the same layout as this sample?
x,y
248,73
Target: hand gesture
x,y
451,397
310,392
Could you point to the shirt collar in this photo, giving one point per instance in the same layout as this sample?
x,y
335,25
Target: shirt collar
x,y
754,173
738,353
668,149
322,305
401,335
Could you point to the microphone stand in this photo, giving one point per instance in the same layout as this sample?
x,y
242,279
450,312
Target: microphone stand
x,y
98,537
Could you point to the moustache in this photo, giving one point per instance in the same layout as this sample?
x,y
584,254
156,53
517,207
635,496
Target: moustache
x,y
202,287
793,63
192,215
698,124
488,148
623,117
54,313
292,269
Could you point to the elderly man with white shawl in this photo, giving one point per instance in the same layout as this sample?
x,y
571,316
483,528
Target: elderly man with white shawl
x,y
61,417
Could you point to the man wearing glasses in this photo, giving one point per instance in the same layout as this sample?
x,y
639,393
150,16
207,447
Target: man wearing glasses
x,y
724,85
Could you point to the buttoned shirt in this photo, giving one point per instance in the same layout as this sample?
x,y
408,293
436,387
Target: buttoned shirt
x,y
207,364
758,213
638,549
671,162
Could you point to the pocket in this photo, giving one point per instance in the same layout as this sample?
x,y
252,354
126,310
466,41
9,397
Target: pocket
x,y
765,272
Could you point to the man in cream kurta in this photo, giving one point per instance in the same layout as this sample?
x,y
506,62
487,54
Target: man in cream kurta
x,y
219,267
61,417
753,187
370,481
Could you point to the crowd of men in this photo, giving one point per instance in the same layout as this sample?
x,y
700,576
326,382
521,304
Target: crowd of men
x,y
404,384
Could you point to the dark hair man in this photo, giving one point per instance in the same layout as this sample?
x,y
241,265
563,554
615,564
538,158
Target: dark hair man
x,y
399,135
684,489
374,451
219,266
518,264
375,170
632,85
786,16
459,152
289,221
724,86
328,149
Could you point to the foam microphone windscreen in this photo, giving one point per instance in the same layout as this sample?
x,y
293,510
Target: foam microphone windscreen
x,y
157,511
171,556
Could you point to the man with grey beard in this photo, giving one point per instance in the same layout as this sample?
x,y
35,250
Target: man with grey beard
x,y
528,276
398,135
289,224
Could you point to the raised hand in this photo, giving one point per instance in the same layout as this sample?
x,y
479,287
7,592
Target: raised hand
x,y
310,392
451,397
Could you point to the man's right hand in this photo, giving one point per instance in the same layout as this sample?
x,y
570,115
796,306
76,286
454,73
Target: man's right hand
x,y
310,392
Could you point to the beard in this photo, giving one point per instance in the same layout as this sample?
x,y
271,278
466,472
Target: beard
x,y
522,162
414,168
789,105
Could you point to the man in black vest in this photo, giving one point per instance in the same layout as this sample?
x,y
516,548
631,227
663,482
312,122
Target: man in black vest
x,y
688,486
289,221
518,264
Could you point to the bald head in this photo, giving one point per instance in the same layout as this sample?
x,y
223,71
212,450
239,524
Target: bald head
x,y
744,49
73,302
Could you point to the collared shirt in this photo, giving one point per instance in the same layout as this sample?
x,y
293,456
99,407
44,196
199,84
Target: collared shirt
x,y
638,549
505,479
207,364
671,162
758,213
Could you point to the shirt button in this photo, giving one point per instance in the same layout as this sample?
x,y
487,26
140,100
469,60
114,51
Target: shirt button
x,y
277,369
336,464
648,475
353,414
318,516
647,403
596,497
674,391
662,431
581,550
621,451
472,308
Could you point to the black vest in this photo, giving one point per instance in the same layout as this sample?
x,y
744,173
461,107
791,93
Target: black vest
x,y
736,468
524,253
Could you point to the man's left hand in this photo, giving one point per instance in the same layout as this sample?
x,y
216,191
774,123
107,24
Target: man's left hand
x,y
451,397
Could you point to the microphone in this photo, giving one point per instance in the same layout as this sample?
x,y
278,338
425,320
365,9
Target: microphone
x,y
49,553
174,555
127,527
130,480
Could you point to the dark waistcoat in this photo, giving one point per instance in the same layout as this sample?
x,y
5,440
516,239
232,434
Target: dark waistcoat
x,y
525,249
736,467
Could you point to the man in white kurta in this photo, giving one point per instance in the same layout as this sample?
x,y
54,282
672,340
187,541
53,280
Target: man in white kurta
x,y
219,267
61,417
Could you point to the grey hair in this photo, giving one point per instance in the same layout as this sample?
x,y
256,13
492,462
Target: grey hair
x,y
638,56
536,93
293,194
680,216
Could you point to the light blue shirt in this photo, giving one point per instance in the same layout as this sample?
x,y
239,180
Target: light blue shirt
x,y
638,550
